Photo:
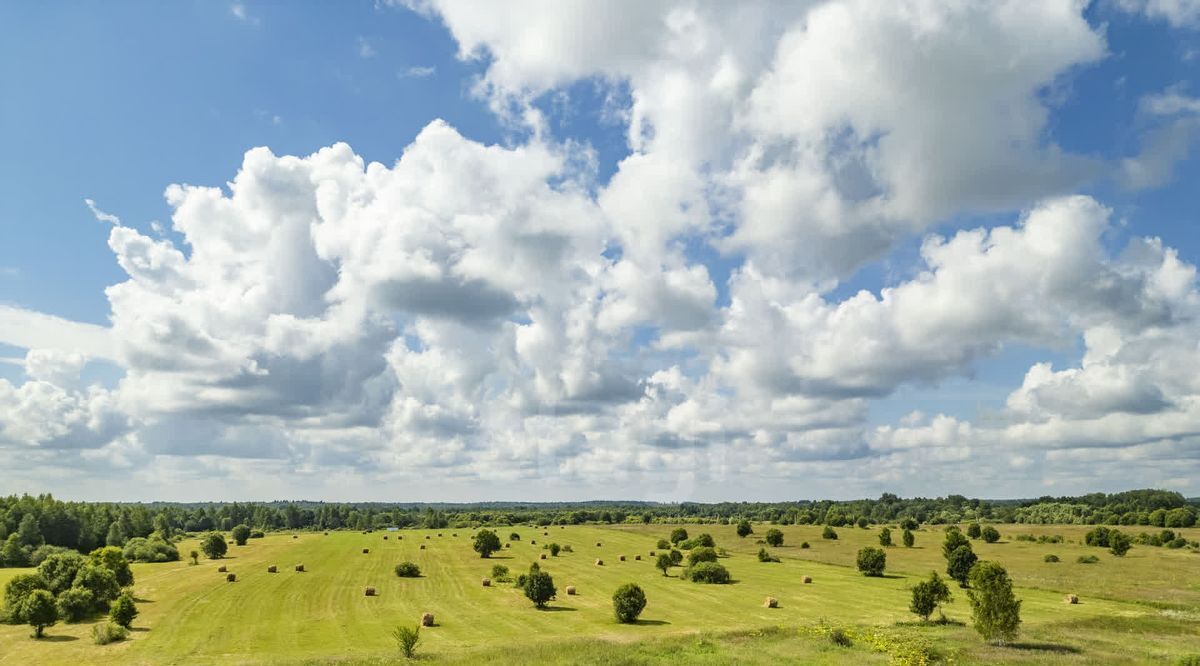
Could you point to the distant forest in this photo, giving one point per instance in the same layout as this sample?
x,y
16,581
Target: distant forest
x,y
27,522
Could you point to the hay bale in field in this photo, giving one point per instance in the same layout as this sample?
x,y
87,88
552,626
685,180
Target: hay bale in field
x,y
385,537
771,602
507,545
455,534
370,592
272,569
543,556
598,544
637,557
399,538
299,568
545,534
294,536
222,569
1071,599
427,537
327,534
427,619
806,579
487,582
599,563
533,542
366,550
422,546
439,534
571,590
622,558
230,578
651,553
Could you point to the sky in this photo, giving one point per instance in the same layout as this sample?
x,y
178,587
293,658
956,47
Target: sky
x,y
453,251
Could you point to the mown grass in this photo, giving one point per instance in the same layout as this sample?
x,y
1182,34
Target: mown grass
x,y
190,615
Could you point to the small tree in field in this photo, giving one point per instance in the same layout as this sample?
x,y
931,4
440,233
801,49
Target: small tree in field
x,y
995,612
928,595
39,610
973,530
123,610
774,537
871,561
240,534
829,533
628,602
1119,543
678,534
213,546
663,563
486,543
195,557
959,564
407,639
954,540
909,524
555,549
539,588
743,529
908,538
885,537
990,534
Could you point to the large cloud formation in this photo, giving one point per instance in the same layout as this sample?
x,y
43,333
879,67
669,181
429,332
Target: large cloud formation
x,y
480,314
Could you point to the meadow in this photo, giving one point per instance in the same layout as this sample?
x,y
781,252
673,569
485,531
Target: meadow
x,y
1143,608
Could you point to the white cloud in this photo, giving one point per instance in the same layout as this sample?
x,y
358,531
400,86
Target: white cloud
x,y
365,50
417,72
1178,13
34,330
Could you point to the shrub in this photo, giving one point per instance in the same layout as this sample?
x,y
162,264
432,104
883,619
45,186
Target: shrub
x,y
958,565
885,537
500,573
107,632
676,557
258,534
663,563
707,572
764,556
862,522
539,588
828,533
486,543
908,539
39,610
663,544
101,582
973,530
928,595
240,533
701,554
154,549
1119,543
59,569
990,534
804,545
705,540
567,548
514,537
909,524
43,551
774,538
954,541
871,561
995,612
554,549
744,529
628,602
1097,536
15,591
123,610
408,570
1050,557
840,638
113,559
1087,559
678,534
407,639
75,604
195,557
213,546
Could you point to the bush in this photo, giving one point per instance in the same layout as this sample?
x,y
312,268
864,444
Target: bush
x,y
486,543
764,556
123,610
240,534
990,534
774,538
539,588
862,522
408,570
628,602
40,554
995,612
885,537
1087,559
213,546
908,539
958,565
973,530
107,632
928,595
154,549
1119,543
257,534
909,524
113,559
744,529
954,541
194,557
1050,557
828,533
554,549
101,582
663,544
840,638
707,572
678,534
15,591
39,610
75,604
705,540
676,557
500,573
1097,536
514,537
407,639
804,545
871,561
701,554
58,570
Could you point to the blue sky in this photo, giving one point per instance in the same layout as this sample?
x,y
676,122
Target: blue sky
x,y
116,102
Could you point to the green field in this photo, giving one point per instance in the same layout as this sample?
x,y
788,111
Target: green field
x,y
1143,608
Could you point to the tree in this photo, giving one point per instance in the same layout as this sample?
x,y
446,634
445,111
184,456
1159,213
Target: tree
x,y
707,572
928,595
115,536
123,610
996,613
407,639
213,546
774,537
663,563
74,604
113,559
909,524
15,591
555,549
409,570
743,528
539,588
973,530
701,554
990,534
678,534
871,561
100,581
28,532
628,602
486,543
954,540
13,554
59,570
885,537
908,538
240,534
959,564
195,557
828,533
1119,543
39,610
676,557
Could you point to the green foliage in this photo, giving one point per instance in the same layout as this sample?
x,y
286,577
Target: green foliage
x,y
676,557
111,558
1097,536
774,538
240,534
973,530
909,524
871,561
663,563
707,572
15,591
885,537
804,545
744,529
410,570
1119,543
764,556
828,533
123,610
213,546
954,541
840,638
928,595
862,522
500,573
12,553
107,632
514,537
663,544
1050,558
1087,559
995,611
407,639
39,611
554,549
153,549
990,534
701,554
907,538
958,565
59,570
628,602
679,534
539,588
194,557
75,604
100,581
486,543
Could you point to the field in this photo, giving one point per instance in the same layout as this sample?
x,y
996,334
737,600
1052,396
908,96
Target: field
x,y
1144,608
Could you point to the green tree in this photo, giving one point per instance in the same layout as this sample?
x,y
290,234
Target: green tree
x,y
774,537
240,534
628,602
958,565
908,538
58,570
28,532
13,554
539,588
213,546
113,559
701,554
407,639
744,529
954,540
909,524
871,561
486,543
15,590
885,537
678,534
663,563
995,612
676,557
123,610
990,534
39,610
100,581
973,530
1119,543
115,536
555,549
928,595
75,604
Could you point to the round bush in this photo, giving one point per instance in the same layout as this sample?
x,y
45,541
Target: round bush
x,y
628,602
408,570
701,554
75,604
707,572
1050,558
871,561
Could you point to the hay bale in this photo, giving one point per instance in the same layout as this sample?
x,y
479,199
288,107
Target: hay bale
x,y
622,558
599,563
399,538
294,536
272,569
533,542
427,619
230,578
771,602
651,553
455,534
637,557
571,590
422,546
327,534
427,537
545,534
543,556
385,537
222,569
507,545
370,592
439,534
1071,599
299,568
366,550
487,582
806,580
598,544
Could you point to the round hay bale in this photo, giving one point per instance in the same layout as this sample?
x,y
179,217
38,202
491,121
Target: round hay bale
x,y
422,546
543,556
385,537
370,592
637,557
571,590
427,619
806,580
622,558
1071,599
599,563
299,568
487,582
426,536
366,550
507,545
651,553
598,544
222,569
294,536
771,602
439,534
399,538
272,569
545,534
327,534
230,578
455,534
533,542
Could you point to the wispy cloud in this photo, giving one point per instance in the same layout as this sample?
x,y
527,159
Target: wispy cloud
x,y
101,215
240,12
365,50
417,72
